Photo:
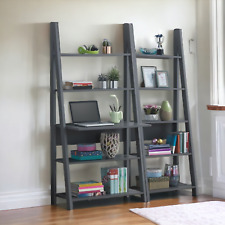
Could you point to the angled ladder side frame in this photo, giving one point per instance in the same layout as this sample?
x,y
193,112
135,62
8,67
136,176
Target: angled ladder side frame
x,y
129,47
179,68
56,81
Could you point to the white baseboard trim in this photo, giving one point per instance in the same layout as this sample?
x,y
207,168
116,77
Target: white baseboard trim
x,y
16,200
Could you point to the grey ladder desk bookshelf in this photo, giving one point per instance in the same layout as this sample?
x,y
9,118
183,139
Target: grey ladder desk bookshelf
x,y
131,129
63,134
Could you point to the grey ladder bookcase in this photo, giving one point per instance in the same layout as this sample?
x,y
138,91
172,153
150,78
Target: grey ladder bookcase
x,y
179,88
63,134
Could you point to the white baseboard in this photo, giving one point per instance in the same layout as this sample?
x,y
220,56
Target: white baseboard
x,y
17,200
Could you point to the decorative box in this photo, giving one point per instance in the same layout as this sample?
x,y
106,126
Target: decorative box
x,y
154,172
86,147
86,155
156,182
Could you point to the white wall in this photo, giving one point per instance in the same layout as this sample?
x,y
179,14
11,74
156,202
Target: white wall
x,y
24,69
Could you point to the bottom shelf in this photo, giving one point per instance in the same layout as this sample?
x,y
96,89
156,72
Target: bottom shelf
x,y
180,186
129,193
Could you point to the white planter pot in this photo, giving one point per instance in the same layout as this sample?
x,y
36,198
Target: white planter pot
x,y
152,117
113,84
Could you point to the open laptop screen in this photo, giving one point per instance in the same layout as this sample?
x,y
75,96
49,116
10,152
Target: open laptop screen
x,y
84,111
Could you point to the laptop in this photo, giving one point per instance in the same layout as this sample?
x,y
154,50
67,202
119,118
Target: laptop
x,y
86,114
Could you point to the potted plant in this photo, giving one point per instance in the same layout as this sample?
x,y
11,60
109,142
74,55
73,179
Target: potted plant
x,y
102,80
113,77
151,112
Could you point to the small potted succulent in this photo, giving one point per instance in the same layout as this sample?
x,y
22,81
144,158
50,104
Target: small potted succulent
x,y
113,76
102,80
151,112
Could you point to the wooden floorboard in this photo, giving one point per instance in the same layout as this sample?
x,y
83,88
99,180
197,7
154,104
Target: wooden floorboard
x,y
111,213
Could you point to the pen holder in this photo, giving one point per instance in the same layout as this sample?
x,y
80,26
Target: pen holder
x,y
116,117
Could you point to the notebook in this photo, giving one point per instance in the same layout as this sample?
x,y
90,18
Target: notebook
x,y
86,114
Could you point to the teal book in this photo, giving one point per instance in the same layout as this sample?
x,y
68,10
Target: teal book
x,y
171,139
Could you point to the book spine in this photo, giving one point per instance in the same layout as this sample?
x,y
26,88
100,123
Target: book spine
x,y
125,179
90,184
160,153
84,192
119,180
122,179
91,187
159,150
187,143
116,181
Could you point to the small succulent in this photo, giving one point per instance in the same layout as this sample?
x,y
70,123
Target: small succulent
x,y
106,42
114,74
102,77
151,109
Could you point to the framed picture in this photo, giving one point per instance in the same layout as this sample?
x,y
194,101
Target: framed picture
x,y
148,73
162,78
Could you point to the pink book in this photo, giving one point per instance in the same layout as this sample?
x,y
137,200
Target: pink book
x,y
84,192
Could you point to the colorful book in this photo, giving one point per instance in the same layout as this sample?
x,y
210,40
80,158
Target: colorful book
x,y
160,153
159,150
90,188
171,139
86,183
147,146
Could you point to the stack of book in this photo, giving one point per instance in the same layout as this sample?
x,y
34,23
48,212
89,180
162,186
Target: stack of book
x,y
78,85
158,149
82,85
87,189
114,180
86,152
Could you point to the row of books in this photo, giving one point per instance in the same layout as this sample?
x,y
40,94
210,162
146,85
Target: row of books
x,y
78,85
87,188
114,180
158,149
179,142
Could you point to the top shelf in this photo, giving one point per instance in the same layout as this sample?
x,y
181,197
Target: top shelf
x,y
93,55
143,56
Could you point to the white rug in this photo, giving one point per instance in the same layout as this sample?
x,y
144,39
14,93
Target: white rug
x,y
203,213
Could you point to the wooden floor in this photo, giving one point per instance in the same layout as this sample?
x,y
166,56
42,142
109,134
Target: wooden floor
x,y
99,215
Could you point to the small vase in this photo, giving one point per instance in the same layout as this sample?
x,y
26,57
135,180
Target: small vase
x,y
166,112
110,144
103,84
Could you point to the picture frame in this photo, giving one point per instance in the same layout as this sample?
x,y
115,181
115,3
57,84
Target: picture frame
x,y
149,76
162,79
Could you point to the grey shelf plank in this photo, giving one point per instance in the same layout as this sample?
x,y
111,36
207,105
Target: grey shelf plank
x,y
171,155
97,89
161,89
143,56
107,196
179,187
161,122
104,159
93,55
121,125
